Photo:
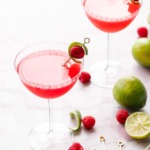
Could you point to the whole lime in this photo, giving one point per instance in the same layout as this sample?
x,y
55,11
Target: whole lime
x,y
130,92
141,51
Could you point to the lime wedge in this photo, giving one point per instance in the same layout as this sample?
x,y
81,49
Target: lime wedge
x,y
137,125
76,115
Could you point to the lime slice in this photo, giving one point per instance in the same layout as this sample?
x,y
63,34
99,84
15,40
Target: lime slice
x,y
76,115
137,125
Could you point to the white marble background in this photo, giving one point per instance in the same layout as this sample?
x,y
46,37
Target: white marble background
x,y
23,22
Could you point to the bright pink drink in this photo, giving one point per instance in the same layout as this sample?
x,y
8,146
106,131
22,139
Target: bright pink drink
x,y
111,15
43,73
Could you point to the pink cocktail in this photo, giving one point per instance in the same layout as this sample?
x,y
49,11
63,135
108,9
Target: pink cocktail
x,y
41,69
44,75
110,16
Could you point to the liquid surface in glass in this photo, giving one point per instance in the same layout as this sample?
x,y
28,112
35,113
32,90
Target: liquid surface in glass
x,y
111,15
43,73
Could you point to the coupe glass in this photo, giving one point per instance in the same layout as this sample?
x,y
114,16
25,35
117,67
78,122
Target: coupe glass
x,y
109,16
42,71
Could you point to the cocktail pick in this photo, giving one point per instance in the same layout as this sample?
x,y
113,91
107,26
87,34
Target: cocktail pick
x,y
102,139
147,147
121,144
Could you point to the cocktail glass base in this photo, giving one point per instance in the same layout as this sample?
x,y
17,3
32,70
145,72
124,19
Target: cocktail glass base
x,y
59,139
104,75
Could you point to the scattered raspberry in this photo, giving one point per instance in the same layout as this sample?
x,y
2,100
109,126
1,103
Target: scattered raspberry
x,y
77,52
76,146
88,122
142,32
85,77
122,115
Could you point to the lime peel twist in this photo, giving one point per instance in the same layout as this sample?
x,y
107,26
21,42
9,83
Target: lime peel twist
x,y
76,115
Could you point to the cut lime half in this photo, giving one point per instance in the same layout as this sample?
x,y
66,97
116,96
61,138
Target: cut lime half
x,y
137,125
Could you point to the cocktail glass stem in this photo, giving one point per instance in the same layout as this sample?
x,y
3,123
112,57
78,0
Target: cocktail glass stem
x,y
108,51
106,72
50,115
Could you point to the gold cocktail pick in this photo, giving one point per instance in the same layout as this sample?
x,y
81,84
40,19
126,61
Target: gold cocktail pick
x,y
147,147
102,139
121,144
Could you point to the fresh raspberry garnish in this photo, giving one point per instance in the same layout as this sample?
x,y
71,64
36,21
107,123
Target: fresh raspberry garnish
x,y
88,122
76,146
133,6
85,77
77,52
142,32
122,115
74,70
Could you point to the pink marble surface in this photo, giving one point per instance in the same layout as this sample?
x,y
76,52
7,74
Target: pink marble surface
x,y
30,21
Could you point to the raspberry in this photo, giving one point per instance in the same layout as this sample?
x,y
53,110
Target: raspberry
x,y
74,70
132,7
76,146
77,52
88,122
142,32
85,77
122,115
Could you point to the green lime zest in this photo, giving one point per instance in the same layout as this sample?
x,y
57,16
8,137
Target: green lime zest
x,y
76,115
85,49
